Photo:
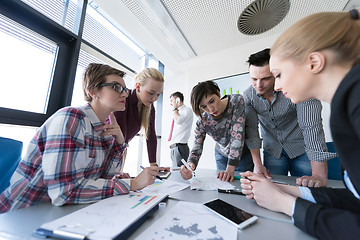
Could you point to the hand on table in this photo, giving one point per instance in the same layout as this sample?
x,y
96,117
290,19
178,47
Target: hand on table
x,y
146,177
266,193
226,176
261,169
311,181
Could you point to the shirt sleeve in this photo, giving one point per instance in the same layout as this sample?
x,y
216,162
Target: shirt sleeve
x,y
237,132
252,137
335,216
152,139
310,122
68,169
197,149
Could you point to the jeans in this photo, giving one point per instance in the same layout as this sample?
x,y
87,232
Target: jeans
x,y
246,162
298,166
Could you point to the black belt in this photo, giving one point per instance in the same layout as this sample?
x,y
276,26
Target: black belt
x,y
177,144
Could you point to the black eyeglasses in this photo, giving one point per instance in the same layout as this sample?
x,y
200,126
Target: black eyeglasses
x,y
116,86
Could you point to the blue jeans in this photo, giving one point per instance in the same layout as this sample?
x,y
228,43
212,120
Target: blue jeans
x,y
298,166
246,162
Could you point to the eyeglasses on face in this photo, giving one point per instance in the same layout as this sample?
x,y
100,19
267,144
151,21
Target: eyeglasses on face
x,y
116,86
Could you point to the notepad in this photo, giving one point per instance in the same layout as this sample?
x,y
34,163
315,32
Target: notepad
x,y
112,218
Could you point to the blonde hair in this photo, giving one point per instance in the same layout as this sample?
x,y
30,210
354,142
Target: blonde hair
x,y
94,76
142,78
336,31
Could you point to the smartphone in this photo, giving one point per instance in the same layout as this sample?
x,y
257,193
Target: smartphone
x,y
232,214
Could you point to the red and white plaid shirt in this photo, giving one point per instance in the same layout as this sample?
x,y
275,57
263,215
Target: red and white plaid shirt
x,y
67,162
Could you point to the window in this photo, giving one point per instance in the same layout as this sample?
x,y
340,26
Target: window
x,y
26,66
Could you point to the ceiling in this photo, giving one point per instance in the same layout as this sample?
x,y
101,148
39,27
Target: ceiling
x,y
210,26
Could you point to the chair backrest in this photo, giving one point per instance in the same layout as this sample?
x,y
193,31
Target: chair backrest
x,y
334,169
10,155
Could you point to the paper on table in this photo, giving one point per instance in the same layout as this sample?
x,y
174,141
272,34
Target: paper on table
x,y
189,221
209,184
107,218
164,187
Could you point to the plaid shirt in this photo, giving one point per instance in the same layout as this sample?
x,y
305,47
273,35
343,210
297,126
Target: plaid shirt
x,y
67,162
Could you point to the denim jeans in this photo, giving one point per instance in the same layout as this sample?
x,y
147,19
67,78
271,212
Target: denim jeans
x,y
298,166
246,162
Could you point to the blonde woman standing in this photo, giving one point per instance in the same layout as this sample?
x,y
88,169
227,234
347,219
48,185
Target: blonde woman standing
x,y
140,111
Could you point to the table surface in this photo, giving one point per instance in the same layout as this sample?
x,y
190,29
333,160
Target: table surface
x,y
20,224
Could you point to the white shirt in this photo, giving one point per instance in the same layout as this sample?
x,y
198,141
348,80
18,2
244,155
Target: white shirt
x,y
182,126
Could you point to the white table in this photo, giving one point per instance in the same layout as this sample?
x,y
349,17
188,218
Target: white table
x,y
20,224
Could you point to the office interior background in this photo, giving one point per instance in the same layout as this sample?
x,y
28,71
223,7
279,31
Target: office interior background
x,y
45,46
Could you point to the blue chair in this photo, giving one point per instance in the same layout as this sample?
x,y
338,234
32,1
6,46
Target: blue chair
x,y
334,169
10,155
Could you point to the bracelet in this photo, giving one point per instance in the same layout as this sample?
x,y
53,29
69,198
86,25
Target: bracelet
x,y
175,109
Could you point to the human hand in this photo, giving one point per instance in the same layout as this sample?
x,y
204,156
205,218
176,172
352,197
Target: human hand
x,y
266,193
261,169
122,175
226,176
113,129
186,173
145,178
311,181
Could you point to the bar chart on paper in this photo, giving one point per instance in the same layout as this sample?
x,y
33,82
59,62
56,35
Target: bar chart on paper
x,y
106,218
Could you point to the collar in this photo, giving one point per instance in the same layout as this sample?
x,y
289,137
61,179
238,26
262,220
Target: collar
x,y
94,120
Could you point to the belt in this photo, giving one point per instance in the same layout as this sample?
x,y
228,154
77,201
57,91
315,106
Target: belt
x,y
177,144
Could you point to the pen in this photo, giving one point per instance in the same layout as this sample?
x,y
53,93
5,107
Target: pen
x,y
188,167
230,191
157,176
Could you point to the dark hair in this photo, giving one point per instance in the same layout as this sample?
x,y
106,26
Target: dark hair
x,y
95,74
178,95
201,90
260,59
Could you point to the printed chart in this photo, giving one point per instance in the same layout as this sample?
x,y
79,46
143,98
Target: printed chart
x,y
164,187
106,218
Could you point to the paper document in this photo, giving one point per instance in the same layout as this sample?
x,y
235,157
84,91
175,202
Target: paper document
x,y
189,221
107,218
164,187
209,184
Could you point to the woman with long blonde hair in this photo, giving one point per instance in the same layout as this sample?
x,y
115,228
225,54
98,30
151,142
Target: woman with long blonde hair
x,y
140,111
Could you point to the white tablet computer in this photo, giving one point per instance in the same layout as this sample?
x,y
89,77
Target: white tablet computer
x,y
232,214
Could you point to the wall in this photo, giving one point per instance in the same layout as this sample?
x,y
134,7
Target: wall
x,y
221,64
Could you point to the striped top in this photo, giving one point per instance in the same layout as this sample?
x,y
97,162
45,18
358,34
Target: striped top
x,y
295,128
67,162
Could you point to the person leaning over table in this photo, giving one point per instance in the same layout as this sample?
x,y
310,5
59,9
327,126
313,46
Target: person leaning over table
x,y
76,155
140,111
319,57
293,135
224,120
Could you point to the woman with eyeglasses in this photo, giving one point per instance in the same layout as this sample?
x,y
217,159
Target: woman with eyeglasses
x,y
319,57
76,155
140,111
223,119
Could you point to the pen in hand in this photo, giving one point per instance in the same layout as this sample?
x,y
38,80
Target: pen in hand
x,y
188,167
157,176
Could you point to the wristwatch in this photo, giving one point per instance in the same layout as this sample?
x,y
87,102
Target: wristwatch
x,y
175,109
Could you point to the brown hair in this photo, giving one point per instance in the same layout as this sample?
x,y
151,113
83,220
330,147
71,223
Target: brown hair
x,y
337,31
142,78
95,75
201,90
